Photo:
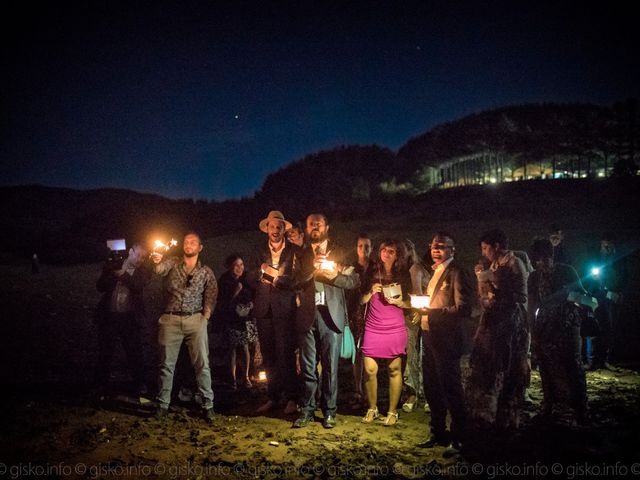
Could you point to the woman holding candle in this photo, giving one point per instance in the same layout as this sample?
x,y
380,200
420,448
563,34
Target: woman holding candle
x,y
385,333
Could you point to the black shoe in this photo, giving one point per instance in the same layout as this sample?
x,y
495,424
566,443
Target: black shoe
x,y
161,413
208,414
433,441
302,421
454,448
329,421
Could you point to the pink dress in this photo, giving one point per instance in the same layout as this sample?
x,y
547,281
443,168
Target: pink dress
x,y
385,333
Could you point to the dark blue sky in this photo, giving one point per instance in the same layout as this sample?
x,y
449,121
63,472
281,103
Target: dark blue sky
x,y
204,99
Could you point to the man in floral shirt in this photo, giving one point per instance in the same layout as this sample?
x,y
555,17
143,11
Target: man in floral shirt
x,y
190,291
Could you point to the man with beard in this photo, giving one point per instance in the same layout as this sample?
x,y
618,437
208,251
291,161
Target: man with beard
x,y
321,318
274,309
190,290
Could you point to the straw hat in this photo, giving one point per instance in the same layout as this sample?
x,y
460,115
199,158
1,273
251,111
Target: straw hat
x,y
274,215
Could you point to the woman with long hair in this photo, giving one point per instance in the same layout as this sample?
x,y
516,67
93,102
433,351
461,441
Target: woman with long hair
x,y
499,366
412,376
385,333
233,309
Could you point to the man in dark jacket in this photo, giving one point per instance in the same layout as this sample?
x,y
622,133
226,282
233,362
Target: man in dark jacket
x,y
321,319
450,290
120,312
272,277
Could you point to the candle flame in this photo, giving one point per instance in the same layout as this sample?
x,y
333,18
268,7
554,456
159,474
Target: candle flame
x,y
420,301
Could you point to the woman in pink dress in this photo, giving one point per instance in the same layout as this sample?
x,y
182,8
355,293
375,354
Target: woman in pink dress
x,y
385,334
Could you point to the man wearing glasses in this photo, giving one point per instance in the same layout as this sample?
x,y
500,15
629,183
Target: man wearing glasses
x,y
450,290
190,291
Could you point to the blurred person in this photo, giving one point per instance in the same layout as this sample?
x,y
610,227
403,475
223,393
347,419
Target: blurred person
x,y
555,325
556,237
356,316
190,293
233,310
607,282
498,361
450,291
385,333
295,234
320,319
120,313
274,310
412,375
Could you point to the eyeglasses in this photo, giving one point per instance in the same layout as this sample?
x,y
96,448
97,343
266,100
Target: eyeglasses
x,y
439,246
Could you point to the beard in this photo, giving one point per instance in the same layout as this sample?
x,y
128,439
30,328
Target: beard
x,y
191,255
317,236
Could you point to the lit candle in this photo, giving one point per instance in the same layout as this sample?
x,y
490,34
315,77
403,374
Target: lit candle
x,y
420,301
327,264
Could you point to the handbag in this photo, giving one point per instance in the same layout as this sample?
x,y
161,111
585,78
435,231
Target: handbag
x,y
348,347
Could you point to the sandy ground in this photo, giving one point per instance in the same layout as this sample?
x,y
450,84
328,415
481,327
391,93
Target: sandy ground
x,y
53,425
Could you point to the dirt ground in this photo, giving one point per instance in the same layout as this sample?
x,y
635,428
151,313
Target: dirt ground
x,y
54,425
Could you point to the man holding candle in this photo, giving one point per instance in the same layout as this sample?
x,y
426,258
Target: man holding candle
x,y
274,308
450,290
320,319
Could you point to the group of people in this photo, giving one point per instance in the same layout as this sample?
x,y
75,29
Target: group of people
x,y
299,292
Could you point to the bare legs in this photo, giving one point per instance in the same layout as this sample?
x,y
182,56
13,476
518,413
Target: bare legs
x,y
394,370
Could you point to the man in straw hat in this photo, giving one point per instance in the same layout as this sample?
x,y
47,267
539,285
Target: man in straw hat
x,y
274,308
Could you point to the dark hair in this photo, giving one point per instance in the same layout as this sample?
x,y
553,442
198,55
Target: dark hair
x,y
541,248
231,259
315,214
495,236
399,266
297,226
193,232
554,227
363,235
443,234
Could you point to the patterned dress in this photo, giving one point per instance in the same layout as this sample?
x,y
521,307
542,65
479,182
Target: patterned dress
x,y
499,365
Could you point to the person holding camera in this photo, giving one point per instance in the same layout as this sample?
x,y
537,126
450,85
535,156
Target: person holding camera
x,y
120,312
190,290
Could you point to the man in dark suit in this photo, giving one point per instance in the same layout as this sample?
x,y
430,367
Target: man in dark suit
x,y
321,318
450,290
120,313
272,277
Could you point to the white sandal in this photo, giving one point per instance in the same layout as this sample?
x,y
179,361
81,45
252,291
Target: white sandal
x,y
391,419
371,415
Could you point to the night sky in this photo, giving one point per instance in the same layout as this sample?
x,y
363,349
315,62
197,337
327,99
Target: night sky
x,y
204,99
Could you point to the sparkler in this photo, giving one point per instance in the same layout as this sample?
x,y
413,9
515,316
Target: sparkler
x,y
160,245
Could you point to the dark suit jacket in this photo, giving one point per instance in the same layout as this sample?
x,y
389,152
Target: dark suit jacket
x,y
136,283
333,289
451,300
281,298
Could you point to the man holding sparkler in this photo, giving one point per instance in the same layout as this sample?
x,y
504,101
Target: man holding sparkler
x,y
321,319
449,290
190,292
